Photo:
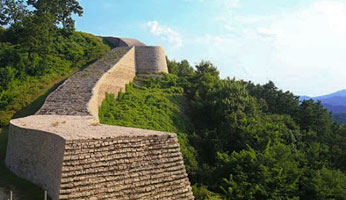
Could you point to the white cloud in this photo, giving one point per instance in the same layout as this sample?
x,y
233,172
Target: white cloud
x,y
165,33
232,3
302,50
268,33
229,27
309,47
229,4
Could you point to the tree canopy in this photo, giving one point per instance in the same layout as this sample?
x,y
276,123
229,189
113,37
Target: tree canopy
x,y
60,11
246,140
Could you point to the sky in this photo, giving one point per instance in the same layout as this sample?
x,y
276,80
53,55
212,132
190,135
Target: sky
x,y
298,44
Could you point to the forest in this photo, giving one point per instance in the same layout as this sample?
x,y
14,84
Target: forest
x,y
239,140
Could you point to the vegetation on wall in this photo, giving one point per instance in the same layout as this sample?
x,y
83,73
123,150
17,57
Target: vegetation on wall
x,y
244,141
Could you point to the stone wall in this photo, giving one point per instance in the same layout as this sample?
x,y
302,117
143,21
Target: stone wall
x,y
36,156
83,93
113,81
93,161
67,152
124,42
74,95
150,60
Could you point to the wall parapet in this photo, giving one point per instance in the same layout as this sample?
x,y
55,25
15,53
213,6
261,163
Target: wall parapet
x,y
73,96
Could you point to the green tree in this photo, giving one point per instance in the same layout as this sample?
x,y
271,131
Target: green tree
x,y
35,37
272,100
181,69
60,10
12,11
207,67
270,174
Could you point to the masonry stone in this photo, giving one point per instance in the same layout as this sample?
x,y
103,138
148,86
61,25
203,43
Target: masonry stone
x,y
64,149
124,42
150,60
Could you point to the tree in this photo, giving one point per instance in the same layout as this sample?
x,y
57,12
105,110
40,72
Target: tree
x,y
35,37
272,99
60,10
207,67
12,11
181,69
269,174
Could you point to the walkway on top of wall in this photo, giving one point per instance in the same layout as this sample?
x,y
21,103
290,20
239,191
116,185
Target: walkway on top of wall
x,y
83,93
72,97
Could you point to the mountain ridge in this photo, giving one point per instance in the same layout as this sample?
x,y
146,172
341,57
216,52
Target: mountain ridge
x,y
334,102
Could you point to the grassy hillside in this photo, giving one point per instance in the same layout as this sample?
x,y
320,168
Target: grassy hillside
x,y
23,94
156,104
67,55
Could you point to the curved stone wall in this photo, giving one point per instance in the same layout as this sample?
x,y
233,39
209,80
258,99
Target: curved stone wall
x,y
73,158
35,155
67,152
150,59
113,81
74,95
83,93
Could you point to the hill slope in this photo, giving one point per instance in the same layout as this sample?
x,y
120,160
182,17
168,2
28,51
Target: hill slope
x,y
24,94
246,141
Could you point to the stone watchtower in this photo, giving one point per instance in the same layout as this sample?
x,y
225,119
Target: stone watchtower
x,y
67,152
149,59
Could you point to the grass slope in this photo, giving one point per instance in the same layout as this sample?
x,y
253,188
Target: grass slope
x,y
28,96
158,104
74,53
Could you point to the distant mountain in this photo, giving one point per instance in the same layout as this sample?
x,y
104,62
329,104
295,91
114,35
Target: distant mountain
x,y
302,98
335,108
334,102
341,93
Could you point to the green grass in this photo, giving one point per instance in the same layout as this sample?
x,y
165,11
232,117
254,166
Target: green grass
x,y
149,106
158,104
28,96
76,52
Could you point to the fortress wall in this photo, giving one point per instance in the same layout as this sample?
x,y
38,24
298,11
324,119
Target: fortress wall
x,y
115,41
64,151
113,81
73,96
36,156
124,42
75,159
139,167
150,60
83,93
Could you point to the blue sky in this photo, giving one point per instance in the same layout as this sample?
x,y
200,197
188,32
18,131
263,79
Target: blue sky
x,y
298,44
